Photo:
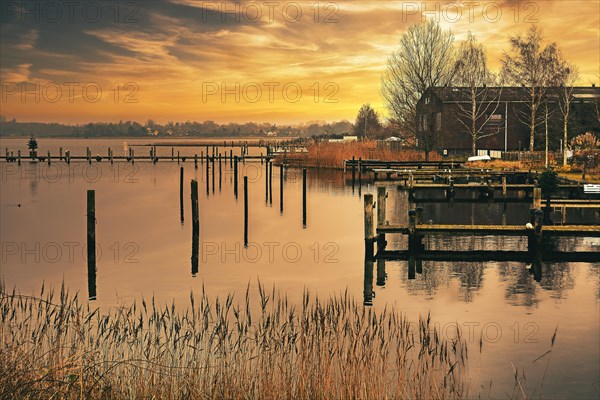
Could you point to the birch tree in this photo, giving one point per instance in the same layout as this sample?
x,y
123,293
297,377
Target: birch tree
x,y
532,66
471,73
570,76
423,60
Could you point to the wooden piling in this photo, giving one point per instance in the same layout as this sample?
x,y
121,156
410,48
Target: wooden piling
x,y
360,172
537,198
369,232
304,197
245,211
181,192
49,163
220,172
196,162
172,153
235,176
381,211
281,188
91,242
270,182
267,182
177,156
414,240
213,172
195,227
132,157
18,157
353,172
207,176
195,211
60,153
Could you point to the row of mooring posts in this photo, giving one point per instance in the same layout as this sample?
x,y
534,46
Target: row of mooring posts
x,y
91,218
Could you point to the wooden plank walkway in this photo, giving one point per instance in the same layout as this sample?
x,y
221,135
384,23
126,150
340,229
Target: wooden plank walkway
x,y
492,230
477,185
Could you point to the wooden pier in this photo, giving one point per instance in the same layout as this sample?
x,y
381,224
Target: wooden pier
x,y
534,230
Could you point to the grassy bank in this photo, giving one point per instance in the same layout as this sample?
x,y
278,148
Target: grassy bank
x,y
56,346
332,155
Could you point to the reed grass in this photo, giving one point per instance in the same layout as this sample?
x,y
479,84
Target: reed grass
x,y
55,345
326,154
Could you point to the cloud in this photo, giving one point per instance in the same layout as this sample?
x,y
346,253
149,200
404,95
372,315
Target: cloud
x,y
174,48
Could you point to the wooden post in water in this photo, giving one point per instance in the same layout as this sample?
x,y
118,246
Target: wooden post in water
x,y
537,198
414,240
181,193
304,197
213,172
207,176
18,157
195,226
60,154
172,152
235,176
91,243
353,172
245,211
419,211
220,172
360,172
281,188
196,163
267,182
230,158
368,203
381,209
177,156
68,157
132,157
546,210
49,157
270,182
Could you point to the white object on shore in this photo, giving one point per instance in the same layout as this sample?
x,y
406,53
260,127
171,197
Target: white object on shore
x,y
479,158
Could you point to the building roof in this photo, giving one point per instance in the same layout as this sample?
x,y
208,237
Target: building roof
x,y
506,93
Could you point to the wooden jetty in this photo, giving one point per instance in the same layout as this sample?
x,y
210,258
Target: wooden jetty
x,y
370,164
534,230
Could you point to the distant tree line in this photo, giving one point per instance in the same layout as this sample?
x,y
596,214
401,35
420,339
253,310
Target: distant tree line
x,y
178,129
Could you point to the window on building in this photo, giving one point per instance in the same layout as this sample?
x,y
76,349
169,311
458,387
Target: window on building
x,y
496,117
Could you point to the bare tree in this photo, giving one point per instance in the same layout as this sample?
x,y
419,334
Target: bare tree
x,y
471,73
532,67
424,59
570,76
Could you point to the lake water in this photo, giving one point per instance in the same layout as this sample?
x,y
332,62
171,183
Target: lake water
x,y
144,249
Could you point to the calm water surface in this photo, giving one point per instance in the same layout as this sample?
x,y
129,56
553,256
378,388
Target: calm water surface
x,y
145,250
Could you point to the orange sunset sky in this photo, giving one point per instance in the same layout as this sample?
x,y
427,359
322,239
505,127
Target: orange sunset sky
x,y
171,60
